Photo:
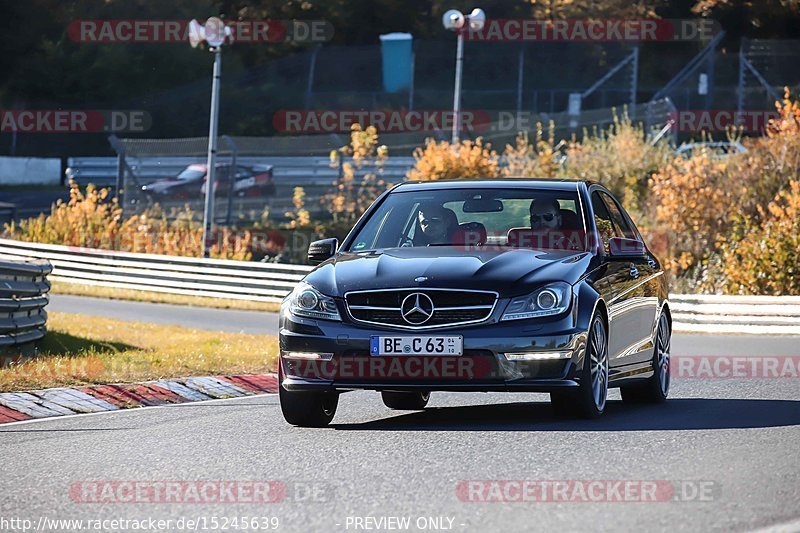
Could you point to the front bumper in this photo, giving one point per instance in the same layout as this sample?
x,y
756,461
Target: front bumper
x,y
484,366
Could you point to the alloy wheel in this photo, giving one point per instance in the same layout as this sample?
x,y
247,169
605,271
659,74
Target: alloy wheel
x,y
663,358
598,353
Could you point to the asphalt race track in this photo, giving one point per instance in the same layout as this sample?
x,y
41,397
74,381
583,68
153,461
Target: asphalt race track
x,y
728,448
182,315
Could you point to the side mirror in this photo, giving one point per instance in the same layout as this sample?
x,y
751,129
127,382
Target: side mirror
x,y
319,251
622,248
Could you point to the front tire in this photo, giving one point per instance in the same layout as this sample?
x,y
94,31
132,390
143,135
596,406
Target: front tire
x,y
656,388
589,401
406,401
309,409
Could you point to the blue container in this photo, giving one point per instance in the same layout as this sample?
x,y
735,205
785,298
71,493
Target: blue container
x,y
397,55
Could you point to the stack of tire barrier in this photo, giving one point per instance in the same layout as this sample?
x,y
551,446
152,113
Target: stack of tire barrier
x,y
23,296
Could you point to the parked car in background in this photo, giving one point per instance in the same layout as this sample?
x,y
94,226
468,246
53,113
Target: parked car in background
x,y
251,181
715,149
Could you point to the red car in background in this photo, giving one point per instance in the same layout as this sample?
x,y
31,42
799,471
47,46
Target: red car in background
x,y
252,181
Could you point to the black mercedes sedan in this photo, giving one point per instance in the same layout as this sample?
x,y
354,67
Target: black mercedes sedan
x,y
479,285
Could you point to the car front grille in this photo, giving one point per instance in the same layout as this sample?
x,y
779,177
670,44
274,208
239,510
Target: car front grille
x,y
450,307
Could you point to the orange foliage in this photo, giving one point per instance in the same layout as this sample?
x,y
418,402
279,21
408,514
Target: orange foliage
x,y
765,259
443,161
691,200
94,220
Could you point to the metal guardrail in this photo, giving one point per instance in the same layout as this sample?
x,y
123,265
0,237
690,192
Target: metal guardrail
x,y
215,278
287,171
270,282
23,296
773,315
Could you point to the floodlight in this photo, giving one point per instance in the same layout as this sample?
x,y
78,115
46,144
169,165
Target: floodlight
x,y
453,20
197,33
215,32
477,19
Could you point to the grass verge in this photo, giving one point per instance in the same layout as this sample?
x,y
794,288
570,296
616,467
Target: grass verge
x,y
78,350
113,293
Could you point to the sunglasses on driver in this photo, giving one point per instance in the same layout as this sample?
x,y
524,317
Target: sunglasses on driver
x,y
547,217
427,221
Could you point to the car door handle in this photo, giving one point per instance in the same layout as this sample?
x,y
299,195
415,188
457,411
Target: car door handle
x,y
634,271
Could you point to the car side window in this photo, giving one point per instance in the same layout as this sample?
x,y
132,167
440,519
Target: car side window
x,y
623,228
602,219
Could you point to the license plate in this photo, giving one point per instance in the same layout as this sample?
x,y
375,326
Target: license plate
x,y
417,345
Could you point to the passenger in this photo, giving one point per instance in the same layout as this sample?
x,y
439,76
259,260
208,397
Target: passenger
x,y
547,225
545,214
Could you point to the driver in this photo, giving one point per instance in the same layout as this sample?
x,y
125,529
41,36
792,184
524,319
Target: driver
x,y
435,224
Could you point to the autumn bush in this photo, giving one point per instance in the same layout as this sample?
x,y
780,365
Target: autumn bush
x,y
93,219
538,158
299,217
770,163
360,179
765,258
690,199
724,215
621,158
443,161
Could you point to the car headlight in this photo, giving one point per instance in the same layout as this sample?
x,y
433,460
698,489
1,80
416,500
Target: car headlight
x,y
550,300
307,301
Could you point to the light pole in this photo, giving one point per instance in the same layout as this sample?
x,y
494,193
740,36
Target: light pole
x,y
214,34
456,21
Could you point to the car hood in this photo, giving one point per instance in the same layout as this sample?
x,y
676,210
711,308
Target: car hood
x,y
509,272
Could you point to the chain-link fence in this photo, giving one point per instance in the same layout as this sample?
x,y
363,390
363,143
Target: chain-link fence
x,y
765,68
537,78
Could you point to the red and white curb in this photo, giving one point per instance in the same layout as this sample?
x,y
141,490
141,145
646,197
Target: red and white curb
x,y
19,406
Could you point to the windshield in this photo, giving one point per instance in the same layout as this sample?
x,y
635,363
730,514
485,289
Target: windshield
x,y
191,174
478,218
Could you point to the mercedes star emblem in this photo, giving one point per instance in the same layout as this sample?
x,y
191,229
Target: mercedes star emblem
x,y
417,308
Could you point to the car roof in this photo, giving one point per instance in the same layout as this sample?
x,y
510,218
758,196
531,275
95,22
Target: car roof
x,y
203,166
493,183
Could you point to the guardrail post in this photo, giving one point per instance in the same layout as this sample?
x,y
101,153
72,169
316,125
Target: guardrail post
x,y
231,176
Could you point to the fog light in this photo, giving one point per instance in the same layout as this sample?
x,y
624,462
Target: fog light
x,y
538,356
308,355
